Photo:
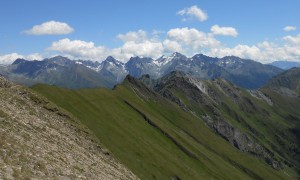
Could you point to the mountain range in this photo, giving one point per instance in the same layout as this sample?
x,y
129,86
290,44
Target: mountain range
x,y
75,74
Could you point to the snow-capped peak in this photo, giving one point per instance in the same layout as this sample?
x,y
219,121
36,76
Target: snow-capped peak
x,y
163,60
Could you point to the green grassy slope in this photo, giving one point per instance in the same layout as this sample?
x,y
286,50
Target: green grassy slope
x,y
154,137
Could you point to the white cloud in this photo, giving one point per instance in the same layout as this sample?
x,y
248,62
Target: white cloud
x,y
136,36
137,43
292,39
10,58
192,38
193,11
34,56
79,49
243,51
156,32
224,31
292,46
133,46
172,46
146,48
265,52
185,40
50,28
289,28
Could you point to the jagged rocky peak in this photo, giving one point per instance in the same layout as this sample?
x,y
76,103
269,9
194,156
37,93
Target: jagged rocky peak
x,y
163,60
88,63
61,60
231,59
177,56
138,59
201,57
132,80
19,61
110,59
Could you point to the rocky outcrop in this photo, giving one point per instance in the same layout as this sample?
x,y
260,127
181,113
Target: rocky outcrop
x,y
206,98
41,141
4,83
241,140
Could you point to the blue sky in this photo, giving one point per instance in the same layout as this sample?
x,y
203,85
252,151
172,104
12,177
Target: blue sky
x,y
261,30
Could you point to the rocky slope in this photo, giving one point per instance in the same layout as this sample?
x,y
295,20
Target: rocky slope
x,y
39,140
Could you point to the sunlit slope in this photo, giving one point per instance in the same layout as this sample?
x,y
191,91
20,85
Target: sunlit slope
x,y
154,137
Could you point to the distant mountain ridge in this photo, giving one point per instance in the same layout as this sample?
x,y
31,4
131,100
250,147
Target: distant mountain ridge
x,y
285,64
242,72
59,71
287,83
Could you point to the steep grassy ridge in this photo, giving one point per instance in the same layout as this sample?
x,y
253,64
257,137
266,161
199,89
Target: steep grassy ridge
x,y
154,137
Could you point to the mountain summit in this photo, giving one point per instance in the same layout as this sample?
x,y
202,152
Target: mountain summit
x,y
64,72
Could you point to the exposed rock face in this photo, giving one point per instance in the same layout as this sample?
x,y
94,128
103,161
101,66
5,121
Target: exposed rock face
x,y
240,140
39,140
208,103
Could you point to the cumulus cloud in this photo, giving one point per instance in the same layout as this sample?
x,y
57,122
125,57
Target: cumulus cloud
x,y
224,31
136,36
193,12
265,51
192,38
137,43
292,46
243,51
50,28
79,49
292,39
172,46
10,58
289,28
146,48
185,40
